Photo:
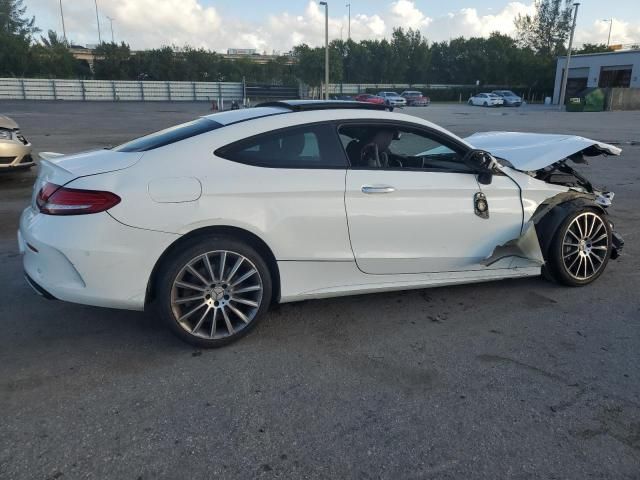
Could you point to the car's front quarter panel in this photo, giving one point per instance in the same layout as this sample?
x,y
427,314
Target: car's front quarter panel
x,y
533,191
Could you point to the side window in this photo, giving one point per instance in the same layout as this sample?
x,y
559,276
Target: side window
x,y
311,146
400,147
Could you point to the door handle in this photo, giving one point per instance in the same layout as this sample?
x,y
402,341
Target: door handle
x,y
377,189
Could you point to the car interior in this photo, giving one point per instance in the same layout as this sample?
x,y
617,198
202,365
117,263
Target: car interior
x,y
398,148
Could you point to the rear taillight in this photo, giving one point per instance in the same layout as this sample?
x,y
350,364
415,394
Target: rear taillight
x,y
53,199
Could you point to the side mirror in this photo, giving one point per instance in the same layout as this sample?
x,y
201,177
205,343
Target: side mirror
x,y
482,163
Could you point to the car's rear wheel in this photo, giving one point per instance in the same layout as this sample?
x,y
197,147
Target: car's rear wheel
x,y
485,104
580,249
213,291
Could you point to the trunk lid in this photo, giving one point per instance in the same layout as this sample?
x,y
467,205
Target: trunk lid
x,y
61,169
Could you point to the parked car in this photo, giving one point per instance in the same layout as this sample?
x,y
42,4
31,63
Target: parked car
x,y
368,98
392,99
415,98
343,97
15,150
486,100
307,199
509,98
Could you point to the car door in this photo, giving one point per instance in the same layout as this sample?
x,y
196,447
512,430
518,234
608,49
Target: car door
x,y
417,211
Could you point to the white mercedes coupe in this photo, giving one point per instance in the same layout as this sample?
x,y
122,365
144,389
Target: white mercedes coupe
x,y
212,221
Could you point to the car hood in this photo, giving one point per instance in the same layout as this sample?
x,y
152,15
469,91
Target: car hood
x,y
6,122
534,151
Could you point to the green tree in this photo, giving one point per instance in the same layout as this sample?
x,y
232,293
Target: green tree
x,y
547,30
16,31
112,61
591,48
13,20
51,58
310,67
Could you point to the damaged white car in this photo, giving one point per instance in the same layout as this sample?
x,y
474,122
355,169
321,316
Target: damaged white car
x,y
212,221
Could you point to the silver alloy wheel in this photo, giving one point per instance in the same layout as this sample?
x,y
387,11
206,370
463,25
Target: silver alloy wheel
x,y
216,294
585,246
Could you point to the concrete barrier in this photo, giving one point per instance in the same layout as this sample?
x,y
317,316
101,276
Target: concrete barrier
x,y
624,99
114,91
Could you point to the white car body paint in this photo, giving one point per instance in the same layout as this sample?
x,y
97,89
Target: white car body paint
x,y
533,151
327,236
486,100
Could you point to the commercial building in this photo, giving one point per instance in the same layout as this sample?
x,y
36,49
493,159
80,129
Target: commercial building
x,y
619,69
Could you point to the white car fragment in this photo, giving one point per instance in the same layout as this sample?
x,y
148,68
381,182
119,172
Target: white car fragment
x,y
532,151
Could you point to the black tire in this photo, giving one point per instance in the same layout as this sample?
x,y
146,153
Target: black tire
x,y
470,102
485,104
560,268
176,265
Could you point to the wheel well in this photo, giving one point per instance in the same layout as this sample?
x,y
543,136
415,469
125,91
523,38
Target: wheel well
x,y
548,224
234,232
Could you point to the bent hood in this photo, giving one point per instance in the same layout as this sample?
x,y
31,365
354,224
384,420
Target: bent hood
x,y
534,151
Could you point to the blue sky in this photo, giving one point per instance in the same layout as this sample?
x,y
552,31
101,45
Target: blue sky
x,y
278,25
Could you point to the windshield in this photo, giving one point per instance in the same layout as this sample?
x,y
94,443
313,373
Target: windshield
x,y
169,135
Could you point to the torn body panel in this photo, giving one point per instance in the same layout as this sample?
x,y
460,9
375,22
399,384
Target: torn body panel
x,y
533,245
526,246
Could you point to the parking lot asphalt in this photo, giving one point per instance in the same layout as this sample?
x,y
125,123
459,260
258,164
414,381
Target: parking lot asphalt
x,y
515,379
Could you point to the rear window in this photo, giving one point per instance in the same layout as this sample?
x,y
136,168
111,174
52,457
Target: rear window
x,y
309,146
169,135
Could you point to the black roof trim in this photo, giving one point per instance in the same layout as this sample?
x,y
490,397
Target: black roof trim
x,y
308,105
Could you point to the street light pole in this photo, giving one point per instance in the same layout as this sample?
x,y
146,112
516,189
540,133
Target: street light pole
x,y
563,88
349,27
111,24
610,27
64,30
98,20
326,50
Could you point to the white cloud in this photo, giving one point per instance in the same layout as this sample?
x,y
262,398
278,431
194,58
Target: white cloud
x,y
467,22
406,14
621,32
153,23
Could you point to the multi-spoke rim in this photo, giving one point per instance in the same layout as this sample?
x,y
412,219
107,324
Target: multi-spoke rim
x,y
585,246
216,294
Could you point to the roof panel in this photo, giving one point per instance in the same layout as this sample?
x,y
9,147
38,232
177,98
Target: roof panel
x,y
235,116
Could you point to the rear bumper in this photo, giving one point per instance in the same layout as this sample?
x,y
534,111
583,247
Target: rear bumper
x,y
89,259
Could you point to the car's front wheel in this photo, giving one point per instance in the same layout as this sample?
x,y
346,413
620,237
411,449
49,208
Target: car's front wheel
x,y
580,249
213,291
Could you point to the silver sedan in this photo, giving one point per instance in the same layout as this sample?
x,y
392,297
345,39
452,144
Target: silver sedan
x,y
15,150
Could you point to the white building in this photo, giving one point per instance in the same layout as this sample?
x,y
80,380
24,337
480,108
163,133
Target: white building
x,y
610,69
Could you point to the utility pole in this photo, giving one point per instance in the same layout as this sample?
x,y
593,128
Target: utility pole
x,y
326,50
610,20
349,27
64,30
563,88
111,23
98,20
